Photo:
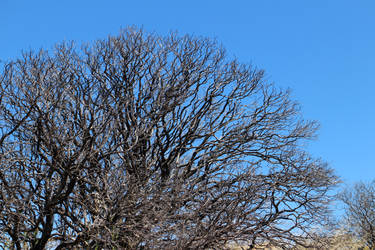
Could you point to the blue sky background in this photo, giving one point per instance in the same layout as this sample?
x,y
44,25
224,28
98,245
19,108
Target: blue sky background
x,y
324,50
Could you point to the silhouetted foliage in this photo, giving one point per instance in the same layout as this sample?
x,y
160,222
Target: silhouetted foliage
x,y
145,141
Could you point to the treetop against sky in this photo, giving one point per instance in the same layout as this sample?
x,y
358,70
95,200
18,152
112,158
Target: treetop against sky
x,y
322,50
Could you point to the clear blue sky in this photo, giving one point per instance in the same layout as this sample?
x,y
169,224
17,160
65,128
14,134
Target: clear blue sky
x,y
324,50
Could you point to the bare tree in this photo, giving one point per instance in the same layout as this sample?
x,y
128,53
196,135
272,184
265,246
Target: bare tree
x,y
143,141
359,204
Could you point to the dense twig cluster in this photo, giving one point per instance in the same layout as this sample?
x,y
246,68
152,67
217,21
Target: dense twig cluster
x,y
142,141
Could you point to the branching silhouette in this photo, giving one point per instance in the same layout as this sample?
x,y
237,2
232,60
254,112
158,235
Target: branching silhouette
x,y
142,141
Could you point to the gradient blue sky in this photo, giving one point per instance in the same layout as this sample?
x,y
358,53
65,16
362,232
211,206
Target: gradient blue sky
x,y
324,50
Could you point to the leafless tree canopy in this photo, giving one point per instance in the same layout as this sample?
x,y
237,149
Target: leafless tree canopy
x,y
359,204
153,142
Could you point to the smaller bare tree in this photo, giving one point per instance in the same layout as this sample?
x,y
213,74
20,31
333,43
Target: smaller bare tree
x,y
359,202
